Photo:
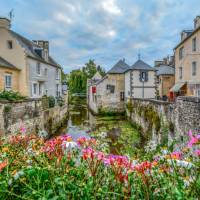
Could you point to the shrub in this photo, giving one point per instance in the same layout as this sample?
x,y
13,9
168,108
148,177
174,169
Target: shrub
x,y
11,96
52,101
60,101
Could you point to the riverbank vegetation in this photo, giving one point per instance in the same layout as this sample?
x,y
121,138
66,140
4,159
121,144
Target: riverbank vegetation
x,y
34,168
77,79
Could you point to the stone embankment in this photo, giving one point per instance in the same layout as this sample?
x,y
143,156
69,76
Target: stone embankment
x,y
155,118
33,114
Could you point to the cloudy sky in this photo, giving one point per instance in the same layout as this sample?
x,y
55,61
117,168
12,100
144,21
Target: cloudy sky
x,y
104,30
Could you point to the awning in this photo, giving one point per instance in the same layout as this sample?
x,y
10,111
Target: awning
x,y
177,87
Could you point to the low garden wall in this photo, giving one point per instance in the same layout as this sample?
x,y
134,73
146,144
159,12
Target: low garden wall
x,y
33,114
157,119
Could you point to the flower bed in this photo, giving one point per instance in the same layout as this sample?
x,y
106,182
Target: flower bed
x,y
32,168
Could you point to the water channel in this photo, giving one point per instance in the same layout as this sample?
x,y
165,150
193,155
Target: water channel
x,y
115,133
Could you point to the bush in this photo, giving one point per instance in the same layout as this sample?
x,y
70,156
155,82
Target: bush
x,y
52,101
11,96
60,101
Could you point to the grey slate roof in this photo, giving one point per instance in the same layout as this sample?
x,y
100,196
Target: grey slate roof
x,y
29,47
165,70
119,68
5,63
141,65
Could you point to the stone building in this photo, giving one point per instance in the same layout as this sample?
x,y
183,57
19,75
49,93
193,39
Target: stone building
x,y
38,73
165,77
140,81
107,94
187,62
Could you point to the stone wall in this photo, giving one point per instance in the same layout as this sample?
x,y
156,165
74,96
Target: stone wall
x,y
156,118
32,114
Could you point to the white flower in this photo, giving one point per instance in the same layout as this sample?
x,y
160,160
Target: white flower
x,y
181,163
103,134
165,151
69,146
42,134
18,175
10,182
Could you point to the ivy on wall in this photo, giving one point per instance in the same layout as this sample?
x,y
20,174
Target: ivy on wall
x,y
147,112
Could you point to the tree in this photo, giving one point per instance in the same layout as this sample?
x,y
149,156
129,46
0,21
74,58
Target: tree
x,y
77,79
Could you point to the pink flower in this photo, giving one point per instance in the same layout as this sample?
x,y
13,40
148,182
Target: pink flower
x,y
193,139
177,155
22,128
197,152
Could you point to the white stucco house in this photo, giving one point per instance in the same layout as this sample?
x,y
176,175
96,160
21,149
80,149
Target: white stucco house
x,y
140,81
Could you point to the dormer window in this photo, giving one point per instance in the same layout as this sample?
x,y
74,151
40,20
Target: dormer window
x,y
10,44
38,68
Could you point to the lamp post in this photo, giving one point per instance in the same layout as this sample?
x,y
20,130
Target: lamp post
x,y
143,80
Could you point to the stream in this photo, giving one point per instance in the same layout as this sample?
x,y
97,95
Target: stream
x,y
115,133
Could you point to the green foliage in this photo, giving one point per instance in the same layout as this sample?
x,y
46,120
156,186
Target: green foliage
x,y
11,96
147,112
52,101
60,101
77,79
7,109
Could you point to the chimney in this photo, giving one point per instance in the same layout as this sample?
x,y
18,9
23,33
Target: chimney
x,y
157,63
45,46
4,23
197,22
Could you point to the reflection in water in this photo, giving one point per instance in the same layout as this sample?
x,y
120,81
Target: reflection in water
x,y
81,123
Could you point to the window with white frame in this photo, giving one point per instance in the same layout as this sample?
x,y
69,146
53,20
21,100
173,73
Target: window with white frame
x,y
38,68
34,89
46,72
40,89
57,74
194,68
57,90
8,81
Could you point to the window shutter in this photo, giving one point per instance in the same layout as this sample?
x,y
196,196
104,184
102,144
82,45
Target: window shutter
x,y
140,77
146,76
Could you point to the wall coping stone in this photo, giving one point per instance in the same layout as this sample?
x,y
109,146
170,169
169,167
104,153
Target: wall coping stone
x,y
189,99
20,101
153,101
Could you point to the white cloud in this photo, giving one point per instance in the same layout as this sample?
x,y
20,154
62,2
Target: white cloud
x,y
62,18
111,7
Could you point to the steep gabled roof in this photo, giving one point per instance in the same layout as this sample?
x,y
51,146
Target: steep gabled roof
x,y
119,68
189,36
141,65
97,76
165,70
5,63
30,46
